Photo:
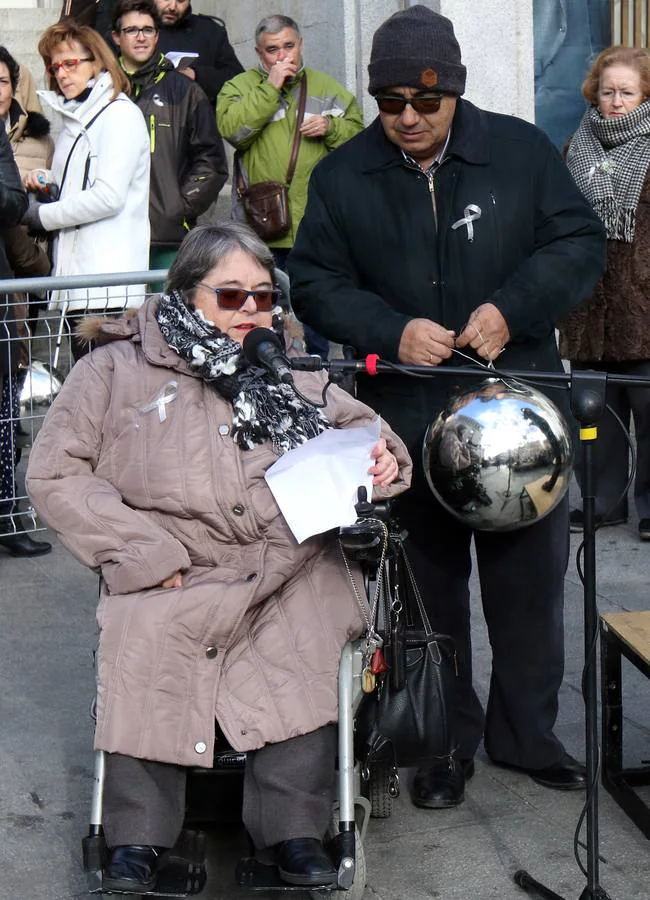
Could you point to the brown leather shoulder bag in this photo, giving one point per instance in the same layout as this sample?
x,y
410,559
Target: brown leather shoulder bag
x,y
266,204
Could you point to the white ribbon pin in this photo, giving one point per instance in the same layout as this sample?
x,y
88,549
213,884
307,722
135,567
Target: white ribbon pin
x,y
168,393
472,212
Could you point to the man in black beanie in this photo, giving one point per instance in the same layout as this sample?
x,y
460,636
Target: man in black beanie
x,y
444,227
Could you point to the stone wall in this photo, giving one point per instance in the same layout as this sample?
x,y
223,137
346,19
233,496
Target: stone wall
x,y
496,38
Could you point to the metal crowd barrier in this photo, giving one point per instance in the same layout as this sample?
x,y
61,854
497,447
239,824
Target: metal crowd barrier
x,y
38,317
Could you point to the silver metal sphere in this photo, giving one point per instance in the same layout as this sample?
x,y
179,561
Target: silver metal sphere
x,y
499,457
41,385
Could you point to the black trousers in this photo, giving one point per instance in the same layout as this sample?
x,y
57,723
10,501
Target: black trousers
x,y
522,590
611,452
288,793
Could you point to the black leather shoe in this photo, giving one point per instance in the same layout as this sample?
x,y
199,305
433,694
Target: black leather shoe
x,y
565,775
442,784
23,545
304,861
132,868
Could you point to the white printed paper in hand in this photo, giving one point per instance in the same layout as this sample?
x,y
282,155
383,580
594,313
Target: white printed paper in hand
x,y
316,484
181,59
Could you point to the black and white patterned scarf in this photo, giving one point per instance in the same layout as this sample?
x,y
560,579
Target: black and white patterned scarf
x,y
263,410
609,159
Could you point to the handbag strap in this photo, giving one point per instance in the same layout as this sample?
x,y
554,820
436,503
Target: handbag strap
x,y
300,115
83,131
426,624
240,184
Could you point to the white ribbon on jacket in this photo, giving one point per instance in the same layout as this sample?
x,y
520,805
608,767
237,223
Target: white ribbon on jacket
x,y
471,213
167,395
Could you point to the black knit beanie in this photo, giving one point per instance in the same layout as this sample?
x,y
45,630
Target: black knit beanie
x,y
416,48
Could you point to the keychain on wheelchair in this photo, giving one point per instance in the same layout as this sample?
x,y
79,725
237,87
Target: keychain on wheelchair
x,y
373,661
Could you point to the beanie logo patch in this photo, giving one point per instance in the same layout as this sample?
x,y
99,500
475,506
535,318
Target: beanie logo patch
x,y
429,78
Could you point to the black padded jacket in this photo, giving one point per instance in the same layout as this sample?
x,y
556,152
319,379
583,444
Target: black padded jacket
x,y
216,63
188,161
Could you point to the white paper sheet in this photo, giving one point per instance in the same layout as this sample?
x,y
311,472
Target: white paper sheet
x,y
184,56
316,484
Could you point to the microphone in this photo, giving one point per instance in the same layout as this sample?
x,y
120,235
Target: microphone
x,y
262,347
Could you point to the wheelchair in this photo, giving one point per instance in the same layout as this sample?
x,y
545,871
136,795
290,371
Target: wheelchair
x,y
363,791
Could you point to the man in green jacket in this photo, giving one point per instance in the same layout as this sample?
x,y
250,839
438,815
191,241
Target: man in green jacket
x,y
256,113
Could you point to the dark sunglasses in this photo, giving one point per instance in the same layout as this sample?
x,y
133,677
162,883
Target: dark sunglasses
x,y
394,105
234,298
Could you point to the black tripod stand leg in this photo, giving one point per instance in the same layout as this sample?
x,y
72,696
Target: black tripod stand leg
x,y
528,884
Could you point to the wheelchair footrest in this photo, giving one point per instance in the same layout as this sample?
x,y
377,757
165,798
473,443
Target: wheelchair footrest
x,y
256,876
182,874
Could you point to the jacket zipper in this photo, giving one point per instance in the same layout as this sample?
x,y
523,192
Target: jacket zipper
x,y
432,191
152,132
495,229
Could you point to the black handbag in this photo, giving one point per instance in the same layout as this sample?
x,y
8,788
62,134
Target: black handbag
x,y
409,717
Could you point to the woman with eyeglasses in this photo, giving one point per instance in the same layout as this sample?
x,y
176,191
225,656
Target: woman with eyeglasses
x,y
609,158
150,466
100,169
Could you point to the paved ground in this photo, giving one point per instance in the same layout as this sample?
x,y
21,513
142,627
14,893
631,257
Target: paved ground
x,y
507,822
47,636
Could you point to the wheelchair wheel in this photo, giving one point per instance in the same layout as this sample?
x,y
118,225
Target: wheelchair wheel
x,y
358,889
377,789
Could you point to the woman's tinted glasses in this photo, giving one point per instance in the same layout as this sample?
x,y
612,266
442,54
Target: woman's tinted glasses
x,y
68,65
234,298
394,104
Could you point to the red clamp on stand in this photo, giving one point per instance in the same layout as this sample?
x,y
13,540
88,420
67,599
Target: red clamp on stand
x,y
371,363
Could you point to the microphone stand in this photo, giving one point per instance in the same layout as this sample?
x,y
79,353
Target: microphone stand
x,y
587,404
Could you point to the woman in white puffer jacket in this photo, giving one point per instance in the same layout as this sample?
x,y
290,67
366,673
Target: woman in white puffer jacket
x,y
101,167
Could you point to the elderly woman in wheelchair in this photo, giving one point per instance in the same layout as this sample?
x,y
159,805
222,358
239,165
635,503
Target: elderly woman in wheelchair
x,y
150,467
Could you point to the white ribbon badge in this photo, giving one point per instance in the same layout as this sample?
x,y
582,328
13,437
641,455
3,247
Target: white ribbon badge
x,y
168,393
471,213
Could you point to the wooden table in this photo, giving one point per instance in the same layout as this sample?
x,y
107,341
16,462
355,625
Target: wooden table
x,y
625,634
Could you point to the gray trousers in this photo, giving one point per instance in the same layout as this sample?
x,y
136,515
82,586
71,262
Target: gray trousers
x,y
611,452
288,793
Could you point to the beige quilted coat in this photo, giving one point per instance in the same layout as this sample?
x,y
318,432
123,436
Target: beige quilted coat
x,y
136,471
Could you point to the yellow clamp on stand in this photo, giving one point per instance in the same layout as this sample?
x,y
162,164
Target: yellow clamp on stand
x,y
589,433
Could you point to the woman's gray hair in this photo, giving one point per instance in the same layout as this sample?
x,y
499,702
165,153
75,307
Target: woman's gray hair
x,y
274,25
206,246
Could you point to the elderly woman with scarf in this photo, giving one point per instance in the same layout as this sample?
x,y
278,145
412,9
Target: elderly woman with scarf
x,y
609,156
150,466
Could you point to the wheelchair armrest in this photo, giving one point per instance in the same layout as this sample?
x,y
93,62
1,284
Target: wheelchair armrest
x,y
364,540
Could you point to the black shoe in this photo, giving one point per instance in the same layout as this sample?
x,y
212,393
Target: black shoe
x,y
565,775
132,868
644,529
304,861
441,785
576,521
21,544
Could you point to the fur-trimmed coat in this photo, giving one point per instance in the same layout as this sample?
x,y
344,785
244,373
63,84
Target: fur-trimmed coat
x,y
29,136
140,488
612,326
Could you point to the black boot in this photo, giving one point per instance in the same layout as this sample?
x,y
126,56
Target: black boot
x,y
304,861
442,784
132,868
17,542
